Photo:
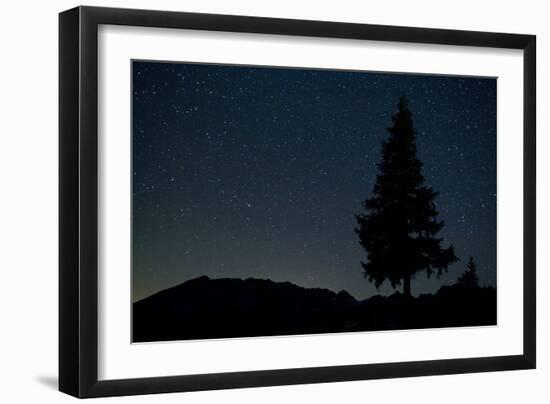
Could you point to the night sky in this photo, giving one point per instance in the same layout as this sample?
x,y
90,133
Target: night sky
x,y
257,171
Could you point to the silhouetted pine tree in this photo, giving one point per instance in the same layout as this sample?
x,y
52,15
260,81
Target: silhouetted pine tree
x,y
469,278
399,227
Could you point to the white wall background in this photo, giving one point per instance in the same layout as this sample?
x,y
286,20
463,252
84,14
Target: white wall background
x,y
28,202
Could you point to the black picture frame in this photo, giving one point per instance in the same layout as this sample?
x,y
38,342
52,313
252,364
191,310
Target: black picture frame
x,y
78,201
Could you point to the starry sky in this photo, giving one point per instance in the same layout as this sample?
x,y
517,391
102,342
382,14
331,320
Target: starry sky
x,y
256,171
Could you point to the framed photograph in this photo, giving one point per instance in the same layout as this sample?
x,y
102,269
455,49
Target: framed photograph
x,y
251,201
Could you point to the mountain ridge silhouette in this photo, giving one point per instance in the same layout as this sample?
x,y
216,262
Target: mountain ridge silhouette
x,y
204,308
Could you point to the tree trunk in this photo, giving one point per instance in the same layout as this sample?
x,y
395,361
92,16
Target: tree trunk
x,y
407,285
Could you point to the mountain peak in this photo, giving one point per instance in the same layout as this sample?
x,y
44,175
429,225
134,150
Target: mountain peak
x,y
203,308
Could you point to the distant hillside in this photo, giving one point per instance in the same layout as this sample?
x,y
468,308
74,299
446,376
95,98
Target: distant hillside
x,y
204,308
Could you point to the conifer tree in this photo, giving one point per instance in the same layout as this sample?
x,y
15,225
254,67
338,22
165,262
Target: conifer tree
x,y
399,227
469,278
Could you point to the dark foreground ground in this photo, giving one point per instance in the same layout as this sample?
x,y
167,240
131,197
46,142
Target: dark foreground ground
x,y
205,308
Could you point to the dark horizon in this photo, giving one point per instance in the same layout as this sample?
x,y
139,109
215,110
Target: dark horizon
x,y
241,279
257,172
